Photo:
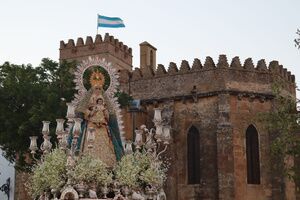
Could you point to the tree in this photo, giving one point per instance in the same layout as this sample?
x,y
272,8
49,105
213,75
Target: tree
x,y
27,96
284,128
297,40
30,95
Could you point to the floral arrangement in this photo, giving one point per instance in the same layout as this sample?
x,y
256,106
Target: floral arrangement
x,y
155,174
50,174
136,170
140,169
91,170
127,171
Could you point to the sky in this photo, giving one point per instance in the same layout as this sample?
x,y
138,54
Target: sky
x,y
181,30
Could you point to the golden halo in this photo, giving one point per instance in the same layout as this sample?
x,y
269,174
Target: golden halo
x,y
97,79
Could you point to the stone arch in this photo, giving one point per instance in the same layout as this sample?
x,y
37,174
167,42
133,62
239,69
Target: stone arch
x,y
193,155
252,155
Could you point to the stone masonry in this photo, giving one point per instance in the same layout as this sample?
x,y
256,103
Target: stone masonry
x,y
109,48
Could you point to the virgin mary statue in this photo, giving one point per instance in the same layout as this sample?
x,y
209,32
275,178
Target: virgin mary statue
x,y
107,144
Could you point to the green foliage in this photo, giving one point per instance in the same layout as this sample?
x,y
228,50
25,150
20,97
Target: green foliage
x,y
124,99
283,124
127,171
297,40
91,170
50,174
27,96
140,169
154,174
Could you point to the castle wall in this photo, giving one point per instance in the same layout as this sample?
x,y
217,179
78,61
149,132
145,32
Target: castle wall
x,y
201,114
20,190
244,112
109,48
221,100
208,79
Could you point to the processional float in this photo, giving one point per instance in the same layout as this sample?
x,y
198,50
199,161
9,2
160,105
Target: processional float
x,y
94,130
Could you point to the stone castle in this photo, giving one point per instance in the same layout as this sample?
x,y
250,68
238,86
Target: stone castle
x,y
219,149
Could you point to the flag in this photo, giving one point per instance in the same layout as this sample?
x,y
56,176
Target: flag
x,y
110,22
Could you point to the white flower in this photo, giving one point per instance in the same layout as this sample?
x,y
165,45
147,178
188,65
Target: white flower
x,y
50,174
91,170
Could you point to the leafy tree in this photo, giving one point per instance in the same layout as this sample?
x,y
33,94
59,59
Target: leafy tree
x,y
297,40
124,99
28,96
283,124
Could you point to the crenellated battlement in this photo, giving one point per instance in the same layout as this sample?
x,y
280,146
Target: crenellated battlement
x,y
207,76
120,53
98,41
178,80
274,68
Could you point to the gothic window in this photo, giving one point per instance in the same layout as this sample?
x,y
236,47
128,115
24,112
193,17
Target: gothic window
x,y
252,153
193,145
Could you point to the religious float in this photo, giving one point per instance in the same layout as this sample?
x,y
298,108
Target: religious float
x,y
93,159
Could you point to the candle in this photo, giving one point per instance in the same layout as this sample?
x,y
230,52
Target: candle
x,y
128,147
45,129
138,138
166,134
70,111
60,126
33,144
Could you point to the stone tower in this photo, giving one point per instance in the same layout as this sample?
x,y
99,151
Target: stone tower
x,y
147,56
109,48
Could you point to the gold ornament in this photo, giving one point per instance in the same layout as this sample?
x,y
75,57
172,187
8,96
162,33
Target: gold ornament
x,y
97,79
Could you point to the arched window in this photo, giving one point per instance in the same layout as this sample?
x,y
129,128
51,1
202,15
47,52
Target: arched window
x,y
151,58
252,151
193,143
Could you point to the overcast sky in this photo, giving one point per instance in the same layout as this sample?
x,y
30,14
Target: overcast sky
x,y
31,30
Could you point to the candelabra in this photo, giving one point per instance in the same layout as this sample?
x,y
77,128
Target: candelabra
x,y
152,139
46,144
63,135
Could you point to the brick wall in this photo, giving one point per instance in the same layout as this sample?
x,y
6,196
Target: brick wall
x,y
20,191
